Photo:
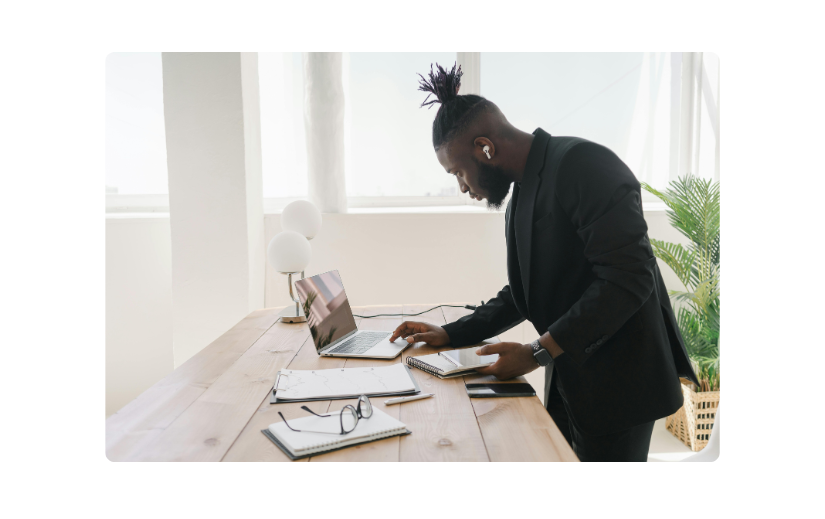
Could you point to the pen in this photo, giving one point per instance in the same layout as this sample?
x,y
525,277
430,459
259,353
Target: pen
x,y
407,398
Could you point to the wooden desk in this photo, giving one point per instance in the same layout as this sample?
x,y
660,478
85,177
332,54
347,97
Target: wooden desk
x,y
213,407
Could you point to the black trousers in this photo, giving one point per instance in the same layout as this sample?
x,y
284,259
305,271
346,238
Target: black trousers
x,y
629,445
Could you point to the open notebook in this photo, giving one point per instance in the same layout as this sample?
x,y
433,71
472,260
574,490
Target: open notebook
x,y
452,363
299,445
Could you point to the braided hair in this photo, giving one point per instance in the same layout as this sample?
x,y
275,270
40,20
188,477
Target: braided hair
x,y
456,111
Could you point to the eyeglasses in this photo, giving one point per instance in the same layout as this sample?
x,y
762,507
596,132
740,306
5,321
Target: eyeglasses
x,y
348,416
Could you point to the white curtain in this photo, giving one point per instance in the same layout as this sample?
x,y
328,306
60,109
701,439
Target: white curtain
x,y
324,125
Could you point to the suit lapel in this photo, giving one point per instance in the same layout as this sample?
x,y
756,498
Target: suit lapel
x,y
525,203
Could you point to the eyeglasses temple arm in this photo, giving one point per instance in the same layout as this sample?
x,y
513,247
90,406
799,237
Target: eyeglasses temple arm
x,y
298,430
287,423
307,409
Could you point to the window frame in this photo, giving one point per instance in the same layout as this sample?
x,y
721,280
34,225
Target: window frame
x,y
128,203
471,66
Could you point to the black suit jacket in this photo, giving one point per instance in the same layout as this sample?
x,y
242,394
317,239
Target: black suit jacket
x,y
580,266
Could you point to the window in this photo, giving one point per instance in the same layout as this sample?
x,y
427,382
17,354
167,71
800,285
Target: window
x,y
388,145
283,141
629,102
620,100
135,131
708,127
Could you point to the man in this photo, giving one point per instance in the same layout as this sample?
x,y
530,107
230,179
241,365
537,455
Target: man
x,y
580,269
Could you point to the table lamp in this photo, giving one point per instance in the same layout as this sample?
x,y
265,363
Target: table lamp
x,y
289,253
301,218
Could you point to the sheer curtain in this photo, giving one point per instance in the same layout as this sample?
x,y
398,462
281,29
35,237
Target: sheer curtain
x,y
283,141
135,132
389,150
619,100
324,125
658,111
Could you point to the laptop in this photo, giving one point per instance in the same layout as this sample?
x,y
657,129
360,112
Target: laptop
x,y
332,325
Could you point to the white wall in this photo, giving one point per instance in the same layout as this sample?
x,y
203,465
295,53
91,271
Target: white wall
x,y
417,258
213,150
404,258
382,258
138,306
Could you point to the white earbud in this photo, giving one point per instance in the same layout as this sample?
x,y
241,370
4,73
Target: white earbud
x,y
486,150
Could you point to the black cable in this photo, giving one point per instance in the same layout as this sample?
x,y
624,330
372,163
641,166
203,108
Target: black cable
x,y
468,307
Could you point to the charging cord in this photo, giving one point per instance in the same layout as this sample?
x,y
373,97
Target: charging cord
x,y
468,307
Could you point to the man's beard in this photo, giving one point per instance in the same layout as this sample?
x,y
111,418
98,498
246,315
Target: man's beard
x,y
494,182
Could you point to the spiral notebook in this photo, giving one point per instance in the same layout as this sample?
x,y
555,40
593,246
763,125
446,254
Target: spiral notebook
x,y
299,445
452,363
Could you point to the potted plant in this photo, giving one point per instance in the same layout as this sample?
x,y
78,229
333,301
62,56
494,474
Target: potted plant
x,y
693,210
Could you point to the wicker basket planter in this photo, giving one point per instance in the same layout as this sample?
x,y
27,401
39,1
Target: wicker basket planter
x,y
693,421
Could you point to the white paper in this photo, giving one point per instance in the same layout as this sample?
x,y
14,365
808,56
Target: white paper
x,y
327,383
437,361
379,424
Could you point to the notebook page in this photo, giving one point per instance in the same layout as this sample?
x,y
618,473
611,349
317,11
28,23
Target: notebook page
x,y
380,423
327,383
437,361
462,360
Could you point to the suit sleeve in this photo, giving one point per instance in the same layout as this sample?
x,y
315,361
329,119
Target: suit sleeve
x,y
488,320
602,199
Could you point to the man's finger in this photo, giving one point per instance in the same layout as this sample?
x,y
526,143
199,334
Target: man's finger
x,y
406,328
494,370
486,370
420,337
401,330
397,332
490,349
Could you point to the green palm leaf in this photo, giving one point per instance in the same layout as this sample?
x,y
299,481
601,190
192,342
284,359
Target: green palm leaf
x,y
679,259
694,210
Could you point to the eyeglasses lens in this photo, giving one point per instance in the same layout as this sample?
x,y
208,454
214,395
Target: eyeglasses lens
x,y
365,406
349,418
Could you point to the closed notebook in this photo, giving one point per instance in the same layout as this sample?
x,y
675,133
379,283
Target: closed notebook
x,y
302,444
303,385
452,363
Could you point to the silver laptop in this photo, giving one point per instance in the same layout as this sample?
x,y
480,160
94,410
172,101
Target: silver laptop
x,y
332,325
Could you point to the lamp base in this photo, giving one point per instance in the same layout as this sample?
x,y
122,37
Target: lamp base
x,y
292,314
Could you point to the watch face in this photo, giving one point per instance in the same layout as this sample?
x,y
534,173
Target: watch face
x,y
543,357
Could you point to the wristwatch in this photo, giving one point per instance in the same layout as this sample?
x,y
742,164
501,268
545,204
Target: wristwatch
x,y
541,355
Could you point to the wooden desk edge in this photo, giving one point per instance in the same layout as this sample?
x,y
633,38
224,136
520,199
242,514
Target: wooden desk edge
x,y
143,421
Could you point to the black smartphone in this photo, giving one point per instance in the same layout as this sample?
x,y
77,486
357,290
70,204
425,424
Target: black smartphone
x,y
499,390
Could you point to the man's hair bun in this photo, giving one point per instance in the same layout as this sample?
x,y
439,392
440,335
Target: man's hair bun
x,y
456,112
442,84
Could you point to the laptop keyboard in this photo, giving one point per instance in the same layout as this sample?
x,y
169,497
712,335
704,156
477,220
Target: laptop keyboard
x,y
360,343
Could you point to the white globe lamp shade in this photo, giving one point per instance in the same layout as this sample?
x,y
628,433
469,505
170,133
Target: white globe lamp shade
x,y
302,217
289,251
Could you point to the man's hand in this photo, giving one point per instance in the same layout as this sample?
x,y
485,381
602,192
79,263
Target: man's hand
x,y
414,331
514,359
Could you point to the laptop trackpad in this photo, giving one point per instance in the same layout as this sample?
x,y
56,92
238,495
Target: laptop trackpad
x,y
385,347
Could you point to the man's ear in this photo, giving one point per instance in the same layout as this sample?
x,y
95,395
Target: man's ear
x,y
478,148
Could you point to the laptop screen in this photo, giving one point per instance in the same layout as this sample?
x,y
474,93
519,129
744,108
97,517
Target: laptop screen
x,y
325,304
